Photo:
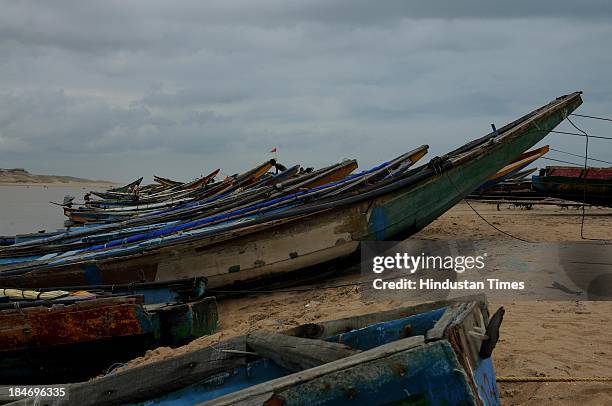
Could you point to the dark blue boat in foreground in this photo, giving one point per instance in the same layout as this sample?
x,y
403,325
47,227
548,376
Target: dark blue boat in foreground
x,y
429,354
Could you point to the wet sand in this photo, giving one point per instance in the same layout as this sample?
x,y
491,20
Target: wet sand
x,y
568,338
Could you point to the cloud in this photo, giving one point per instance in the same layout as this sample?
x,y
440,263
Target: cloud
x,y
118,90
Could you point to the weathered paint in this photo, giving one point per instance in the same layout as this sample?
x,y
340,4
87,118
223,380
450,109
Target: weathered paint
x,y
432,373
428,375
484,376
378,334
74,342
185,322
256,372
38,327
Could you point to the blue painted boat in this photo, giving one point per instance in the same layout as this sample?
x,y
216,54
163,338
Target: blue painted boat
x,y
6,240
434,353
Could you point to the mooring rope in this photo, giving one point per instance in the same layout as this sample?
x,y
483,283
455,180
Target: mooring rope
x,y
593,117
553,379
580,156
484,219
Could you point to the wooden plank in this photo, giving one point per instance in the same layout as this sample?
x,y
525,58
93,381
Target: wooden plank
x,y
257,391
295,353
439,329
334,327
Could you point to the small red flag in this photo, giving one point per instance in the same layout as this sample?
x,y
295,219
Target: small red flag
x,y
273,149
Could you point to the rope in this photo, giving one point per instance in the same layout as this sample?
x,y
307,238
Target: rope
x,y
580,156
554,379
577,134
560,160
586,157
593,117
484,219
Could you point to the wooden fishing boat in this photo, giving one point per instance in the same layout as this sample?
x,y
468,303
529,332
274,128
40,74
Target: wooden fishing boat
x,y
521,174
591,186
135,196
71,339
432,353
515,167
324,231
292,192
166,181
128,187
230,195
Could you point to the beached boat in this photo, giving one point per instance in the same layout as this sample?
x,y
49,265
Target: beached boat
x,y
521,175
228,197
127,188
81,334
166,181
236,248
514,168
432,353
591,186
135,196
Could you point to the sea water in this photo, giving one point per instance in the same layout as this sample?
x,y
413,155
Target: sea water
x,y
26,209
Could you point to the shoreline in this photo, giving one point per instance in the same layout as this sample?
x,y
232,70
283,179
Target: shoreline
x,y
60,184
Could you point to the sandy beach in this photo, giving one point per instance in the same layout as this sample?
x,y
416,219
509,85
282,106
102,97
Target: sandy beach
x,y
538,338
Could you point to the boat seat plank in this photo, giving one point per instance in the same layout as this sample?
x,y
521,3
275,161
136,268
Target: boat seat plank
x,y
257,391
295,353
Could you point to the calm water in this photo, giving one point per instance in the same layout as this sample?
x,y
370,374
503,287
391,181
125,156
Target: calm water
x,y
26,209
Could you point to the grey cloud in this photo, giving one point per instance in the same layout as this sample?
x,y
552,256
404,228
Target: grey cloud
x,y
114,90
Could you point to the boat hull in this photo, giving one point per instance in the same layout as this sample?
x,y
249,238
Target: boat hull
x,y
421,354
67,343
590,191
287,245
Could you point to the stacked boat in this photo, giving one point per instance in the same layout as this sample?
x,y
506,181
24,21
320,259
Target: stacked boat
x,y
257,224
274,221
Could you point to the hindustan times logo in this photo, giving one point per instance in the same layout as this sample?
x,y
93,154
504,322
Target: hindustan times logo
x,y
411,263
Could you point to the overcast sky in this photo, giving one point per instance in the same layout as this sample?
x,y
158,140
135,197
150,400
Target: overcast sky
x,y
119,89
